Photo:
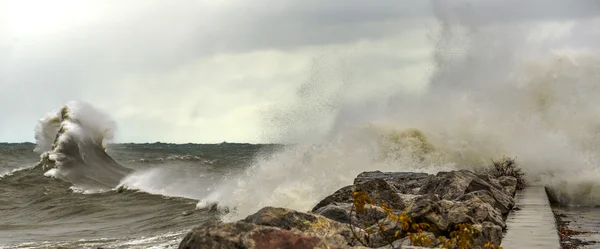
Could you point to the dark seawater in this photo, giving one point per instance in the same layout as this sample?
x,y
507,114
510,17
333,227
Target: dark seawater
x,y
41,211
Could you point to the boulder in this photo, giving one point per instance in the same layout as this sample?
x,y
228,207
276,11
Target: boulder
x,y
491,180
487,232
385,239
483,195
372,213
425,209
244,235
488,198
384,232
509,184
481,211
458,213
455,184
441,215
448,185
432,242
305,223
503,202
429,209
378,190
423,204
409,198
340,212
400,243
404,182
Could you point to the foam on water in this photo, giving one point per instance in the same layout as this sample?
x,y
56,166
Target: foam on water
x,y
173,180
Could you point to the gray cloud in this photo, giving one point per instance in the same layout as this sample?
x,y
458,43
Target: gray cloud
x,y
503,11
211,65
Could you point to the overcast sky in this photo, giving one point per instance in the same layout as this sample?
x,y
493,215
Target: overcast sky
x,y
230,70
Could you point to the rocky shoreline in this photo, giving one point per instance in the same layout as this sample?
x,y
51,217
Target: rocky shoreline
x,y
379,210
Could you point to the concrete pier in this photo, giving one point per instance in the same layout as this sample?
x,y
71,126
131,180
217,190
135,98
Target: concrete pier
x,y
533,225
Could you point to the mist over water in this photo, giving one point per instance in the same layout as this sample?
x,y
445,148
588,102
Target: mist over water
x,y
524,88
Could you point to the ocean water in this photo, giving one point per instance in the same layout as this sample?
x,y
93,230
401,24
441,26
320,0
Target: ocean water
x,y
43,211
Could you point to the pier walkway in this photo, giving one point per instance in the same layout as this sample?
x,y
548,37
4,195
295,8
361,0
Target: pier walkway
x,y
532,225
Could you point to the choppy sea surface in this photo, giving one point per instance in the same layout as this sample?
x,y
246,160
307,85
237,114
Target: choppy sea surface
x,y
155,210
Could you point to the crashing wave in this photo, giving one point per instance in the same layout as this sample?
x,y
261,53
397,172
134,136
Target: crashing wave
x,y
72,146
539,106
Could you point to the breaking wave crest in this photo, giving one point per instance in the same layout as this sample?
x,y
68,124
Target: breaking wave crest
x,y
72,143
73,140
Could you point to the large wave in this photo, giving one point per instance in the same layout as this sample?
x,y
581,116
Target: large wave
x,y
72,143
496,89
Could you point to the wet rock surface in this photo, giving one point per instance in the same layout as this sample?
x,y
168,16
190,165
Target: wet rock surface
x,y
397,201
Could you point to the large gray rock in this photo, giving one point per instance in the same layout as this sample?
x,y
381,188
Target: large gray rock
x,y
404,182
372,214
509,184
399,243
432,242
442,215
340,212
378,190
305,223
481,211
449,185
427,208
491,180
487,197
458,213
242,235
406,242
455,184
487,232
424,209
385,232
